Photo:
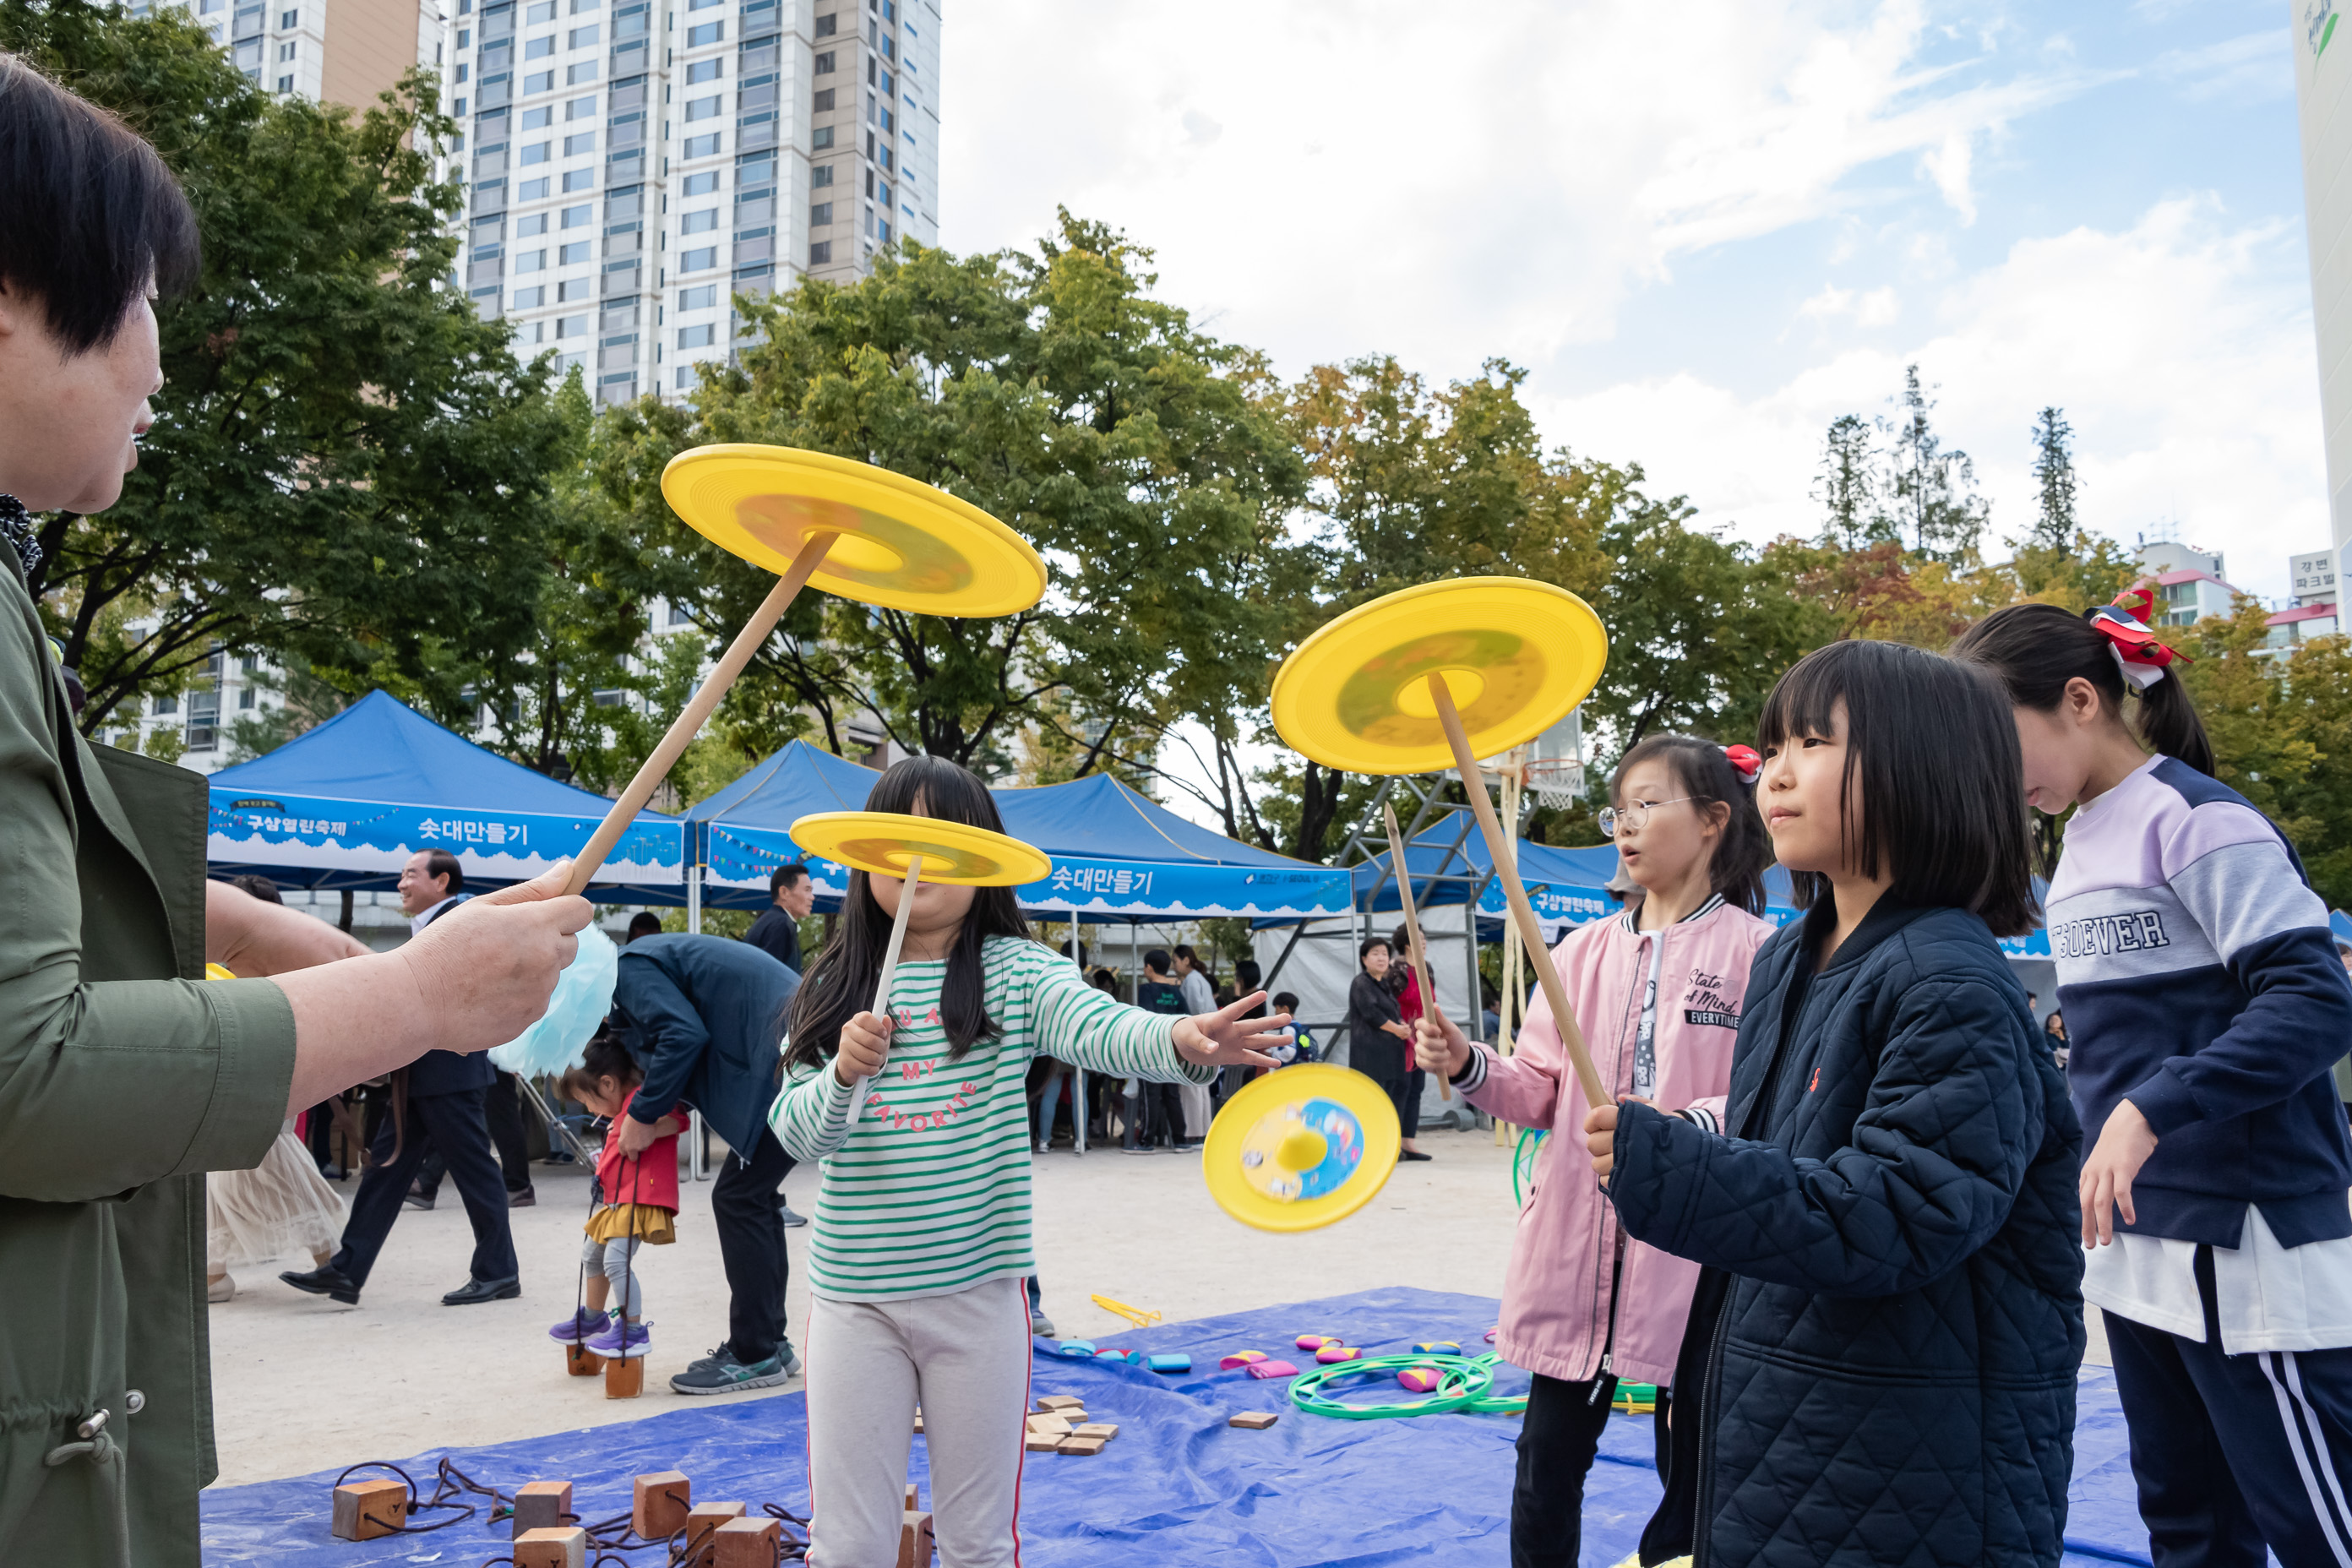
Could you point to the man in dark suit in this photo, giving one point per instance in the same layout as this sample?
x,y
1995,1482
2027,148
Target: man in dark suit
x,y
777,932
703,1017
438,1105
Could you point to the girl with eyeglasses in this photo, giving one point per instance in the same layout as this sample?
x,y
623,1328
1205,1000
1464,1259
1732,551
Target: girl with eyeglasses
x,y
1657,992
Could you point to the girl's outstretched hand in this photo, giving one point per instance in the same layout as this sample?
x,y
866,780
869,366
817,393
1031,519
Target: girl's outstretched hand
x,y
1438,1044
1225,1038
865,1042
2125,1143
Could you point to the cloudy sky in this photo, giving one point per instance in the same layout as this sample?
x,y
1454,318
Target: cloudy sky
x,y
1708,230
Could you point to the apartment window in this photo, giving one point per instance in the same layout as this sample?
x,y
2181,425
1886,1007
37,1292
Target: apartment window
x,y
695,337
887,86
822,137
578,143
531,190
286,84
288,20
886,192
573,254
574,217
828,25
572,326
581,108
821,253
537,153
574,289
537,118
886,158
821,175
203,713
539,81
703,299
626,202
530,260
530,298
704,70
700,261
686,378
702,108
702,146
582,37
702,184
539,48
822,103
573,76
580,180
889,49
459,145
580,5
701,222
824,63
166,705
286,51
820,214
629,94
244,699
754,207
544,11
708,33
464,37
886,231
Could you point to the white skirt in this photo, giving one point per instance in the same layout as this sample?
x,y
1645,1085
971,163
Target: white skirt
x,y
280,1208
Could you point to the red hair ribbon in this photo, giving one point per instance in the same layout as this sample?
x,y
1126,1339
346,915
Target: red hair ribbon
x,y
2138,653
1745,759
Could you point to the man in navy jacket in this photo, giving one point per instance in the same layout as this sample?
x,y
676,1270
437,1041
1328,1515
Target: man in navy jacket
x,y
703,1018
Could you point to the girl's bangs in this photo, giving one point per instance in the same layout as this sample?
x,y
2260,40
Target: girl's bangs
x,y
1804,701
946,790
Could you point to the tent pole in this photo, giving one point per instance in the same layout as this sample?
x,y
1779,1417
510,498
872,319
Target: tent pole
x,y
694,900
1077,1073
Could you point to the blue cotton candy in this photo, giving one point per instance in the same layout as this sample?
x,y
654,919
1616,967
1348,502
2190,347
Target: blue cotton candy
x,y
583,994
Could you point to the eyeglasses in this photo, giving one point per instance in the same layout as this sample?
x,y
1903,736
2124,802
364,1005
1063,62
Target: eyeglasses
x,y
1635,815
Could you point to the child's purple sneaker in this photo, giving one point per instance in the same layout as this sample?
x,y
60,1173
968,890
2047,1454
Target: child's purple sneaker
x,y
578,1329
621,1339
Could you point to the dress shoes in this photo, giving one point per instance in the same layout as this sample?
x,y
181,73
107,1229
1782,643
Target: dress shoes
x,y
324,1280
474,1291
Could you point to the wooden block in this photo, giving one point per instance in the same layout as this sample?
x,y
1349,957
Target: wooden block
x,y
1255,1420
1053,1403
746,1543
1103,1429
365,1510
661,1503
918,1421
914,1499
705,1517
914,1539
1078,1444
625,1377
541,1505
582,1361
564,1548
1053,1424
1042,1442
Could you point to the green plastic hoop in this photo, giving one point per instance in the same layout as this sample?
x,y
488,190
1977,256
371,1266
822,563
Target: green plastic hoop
x,y
1523,1161
1461,1381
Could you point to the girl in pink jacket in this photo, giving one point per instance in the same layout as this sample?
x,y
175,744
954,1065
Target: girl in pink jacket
x,y
1657,990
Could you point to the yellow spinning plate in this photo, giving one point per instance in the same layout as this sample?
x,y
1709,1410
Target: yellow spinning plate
x,y
898,543
1301,1148
885,842
1517,656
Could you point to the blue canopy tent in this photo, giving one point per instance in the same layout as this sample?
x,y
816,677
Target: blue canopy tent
x,y
742,833
344,806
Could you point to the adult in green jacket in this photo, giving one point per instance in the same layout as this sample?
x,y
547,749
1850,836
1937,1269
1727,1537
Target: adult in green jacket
x,y
124,1075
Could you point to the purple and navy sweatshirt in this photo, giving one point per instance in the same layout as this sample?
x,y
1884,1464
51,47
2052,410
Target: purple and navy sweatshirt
x,y
2200,982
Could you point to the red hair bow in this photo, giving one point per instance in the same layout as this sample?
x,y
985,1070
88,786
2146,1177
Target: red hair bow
x,y
2141,657
1745,759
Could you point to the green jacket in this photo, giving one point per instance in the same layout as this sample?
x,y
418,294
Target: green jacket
x,y
124,1076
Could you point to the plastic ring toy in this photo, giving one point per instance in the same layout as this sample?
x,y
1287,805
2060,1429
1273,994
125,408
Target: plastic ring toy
x,y
1523,1162
1461,1381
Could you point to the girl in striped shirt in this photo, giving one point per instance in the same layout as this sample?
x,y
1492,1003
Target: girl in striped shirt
x,y
920,1247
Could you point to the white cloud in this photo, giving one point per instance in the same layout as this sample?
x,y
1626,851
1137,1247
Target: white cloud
x,y
1947,165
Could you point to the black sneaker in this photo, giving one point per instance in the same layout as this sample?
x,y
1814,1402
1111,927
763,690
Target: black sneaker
x,y
720,1372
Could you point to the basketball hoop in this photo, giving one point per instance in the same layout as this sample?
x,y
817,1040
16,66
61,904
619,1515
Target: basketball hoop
x,y
1555,781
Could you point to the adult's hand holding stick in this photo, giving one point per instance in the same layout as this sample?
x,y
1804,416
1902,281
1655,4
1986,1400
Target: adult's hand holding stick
x,y
696,711
1522,915
1420,954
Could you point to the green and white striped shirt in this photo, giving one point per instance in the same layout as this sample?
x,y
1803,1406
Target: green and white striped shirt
x,y
928,1192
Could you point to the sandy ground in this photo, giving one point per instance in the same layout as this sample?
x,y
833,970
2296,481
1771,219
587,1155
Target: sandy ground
x,y
302,1385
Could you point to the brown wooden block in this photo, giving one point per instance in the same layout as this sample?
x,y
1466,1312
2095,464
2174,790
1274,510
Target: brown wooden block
x,y
915,1544
914,1500
582,1361
1056,1403
1254,1420
746,1543
1102,1429
563,1548
541,1505
1054,1424
365,1510
1078,1444
1042,1442
661,1503
625,1377
705,1517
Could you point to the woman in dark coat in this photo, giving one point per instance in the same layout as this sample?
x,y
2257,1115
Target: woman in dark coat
x,y
1886,1344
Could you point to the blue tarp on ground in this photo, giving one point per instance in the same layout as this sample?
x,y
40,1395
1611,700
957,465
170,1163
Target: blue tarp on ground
x,y
1177,1487
1117,855
345,805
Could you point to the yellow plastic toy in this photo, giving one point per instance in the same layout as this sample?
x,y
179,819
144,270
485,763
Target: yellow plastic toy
x,y
1141,1317
1298,1149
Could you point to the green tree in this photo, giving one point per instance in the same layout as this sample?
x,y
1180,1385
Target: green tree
x,y
1933,488
2060,562
1847,485
343,466
2053,480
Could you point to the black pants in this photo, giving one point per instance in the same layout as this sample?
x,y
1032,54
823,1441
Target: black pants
x,y
752,1246
502,1110
452,1122
1408,1110
2234,1451
1558,1438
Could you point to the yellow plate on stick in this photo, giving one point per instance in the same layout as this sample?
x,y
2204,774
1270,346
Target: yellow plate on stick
x,y
885,842
1517,656
1301,1147
898,543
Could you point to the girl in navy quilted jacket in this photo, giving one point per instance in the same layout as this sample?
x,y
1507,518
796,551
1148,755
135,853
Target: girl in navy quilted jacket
x,y
2204,1005
1884,1343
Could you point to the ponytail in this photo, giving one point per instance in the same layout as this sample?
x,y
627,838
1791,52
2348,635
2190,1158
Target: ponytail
x,y
2035,650
1708,775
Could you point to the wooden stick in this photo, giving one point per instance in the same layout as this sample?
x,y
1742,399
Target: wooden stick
x,y
1420,954
1522,915
889,966
691,718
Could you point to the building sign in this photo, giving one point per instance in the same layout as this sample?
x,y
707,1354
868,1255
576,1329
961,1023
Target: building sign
x,y
2313,576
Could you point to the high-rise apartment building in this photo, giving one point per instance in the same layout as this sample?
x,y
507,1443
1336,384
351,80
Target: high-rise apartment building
x,y
634,164
337,51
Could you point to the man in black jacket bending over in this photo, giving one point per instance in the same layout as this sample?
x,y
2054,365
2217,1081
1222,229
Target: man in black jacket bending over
x,y
703,1017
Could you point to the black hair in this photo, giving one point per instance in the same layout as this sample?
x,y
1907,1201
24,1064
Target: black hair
x,y
645,923
261,887
441,863
1104,980
1703,772
602,1056
88,215
1157,962
1933,776
2035,650
840,983
784,877
1192,957
1364,948
1247,976
1285,1001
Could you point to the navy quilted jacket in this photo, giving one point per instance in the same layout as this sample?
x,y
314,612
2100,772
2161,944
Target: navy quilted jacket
x,y
1892,1379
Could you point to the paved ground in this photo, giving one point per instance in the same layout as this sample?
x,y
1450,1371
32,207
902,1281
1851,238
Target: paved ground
x,y
300,1385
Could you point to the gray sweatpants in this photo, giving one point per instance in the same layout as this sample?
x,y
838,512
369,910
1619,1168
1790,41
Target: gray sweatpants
x,y
965,1358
